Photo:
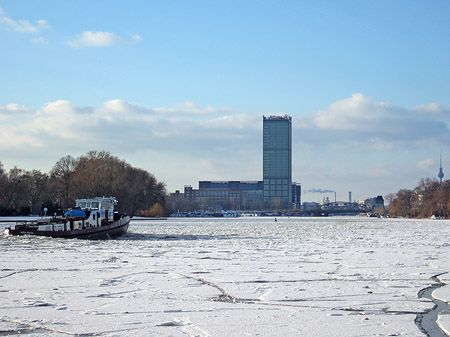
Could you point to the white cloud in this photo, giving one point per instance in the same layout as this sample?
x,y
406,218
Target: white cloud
x,y
13,138
378,170
9,115
434,109
426,165
93,39
354,124
136,38
239,122
189,108
12,109
58,108
380,145
123,107
355,113
95,125
361,121
23,26
40,40
89,39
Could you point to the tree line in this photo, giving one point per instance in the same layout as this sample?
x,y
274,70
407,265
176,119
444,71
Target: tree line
x,y
429,198
96,173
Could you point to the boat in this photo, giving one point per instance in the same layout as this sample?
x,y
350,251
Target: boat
x,y
92,218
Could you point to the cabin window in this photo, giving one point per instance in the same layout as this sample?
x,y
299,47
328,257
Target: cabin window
x,y
95,204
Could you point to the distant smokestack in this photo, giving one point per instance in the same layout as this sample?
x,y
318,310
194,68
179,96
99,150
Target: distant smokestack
x,y
335,200
350,196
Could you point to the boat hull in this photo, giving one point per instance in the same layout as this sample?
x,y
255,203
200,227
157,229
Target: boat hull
x,y
108,231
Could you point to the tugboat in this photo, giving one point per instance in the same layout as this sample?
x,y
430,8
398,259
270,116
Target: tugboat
x,y
92,219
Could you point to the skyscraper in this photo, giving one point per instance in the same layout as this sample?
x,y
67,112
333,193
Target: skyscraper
x,y
277,161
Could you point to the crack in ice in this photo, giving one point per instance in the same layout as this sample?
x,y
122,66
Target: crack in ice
x,y
36,327
225,297
431,329
427,321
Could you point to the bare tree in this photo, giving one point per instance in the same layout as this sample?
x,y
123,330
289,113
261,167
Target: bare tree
x,y
100,173
389,198
36,188
402,205
428,198
15,189
3,187
62,175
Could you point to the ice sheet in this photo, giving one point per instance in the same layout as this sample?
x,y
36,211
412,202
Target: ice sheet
x,y
228,277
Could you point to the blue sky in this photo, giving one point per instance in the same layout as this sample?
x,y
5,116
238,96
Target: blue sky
x,y
179,88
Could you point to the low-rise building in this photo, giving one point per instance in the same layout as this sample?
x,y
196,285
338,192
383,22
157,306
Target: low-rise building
x,y
375,205
234,194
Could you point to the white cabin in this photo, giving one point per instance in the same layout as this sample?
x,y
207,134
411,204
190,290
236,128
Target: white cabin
x,y
103,204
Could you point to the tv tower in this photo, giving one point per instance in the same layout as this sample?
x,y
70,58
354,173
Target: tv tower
x,y
441,172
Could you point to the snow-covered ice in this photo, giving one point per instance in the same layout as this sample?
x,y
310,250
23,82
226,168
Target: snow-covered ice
x,y
443,294
229,277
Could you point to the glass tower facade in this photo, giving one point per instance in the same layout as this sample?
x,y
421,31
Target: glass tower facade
x,y
277,161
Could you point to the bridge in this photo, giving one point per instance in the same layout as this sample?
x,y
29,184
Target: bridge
x,y
341,208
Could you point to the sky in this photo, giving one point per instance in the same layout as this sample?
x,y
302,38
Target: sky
x,y
179,88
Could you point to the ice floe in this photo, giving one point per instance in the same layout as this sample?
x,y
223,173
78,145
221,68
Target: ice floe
x,y
230,277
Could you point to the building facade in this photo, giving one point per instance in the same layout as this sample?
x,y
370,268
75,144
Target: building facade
x,y
219,195
232,195
296,195
277,161
250,193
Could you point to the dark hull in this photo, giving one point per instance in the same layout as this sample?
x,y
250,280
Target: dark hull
x,y
110,231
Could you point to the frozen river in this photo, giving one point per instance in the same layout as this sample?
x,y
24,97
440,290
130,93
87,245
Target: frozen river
x,y
231,277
